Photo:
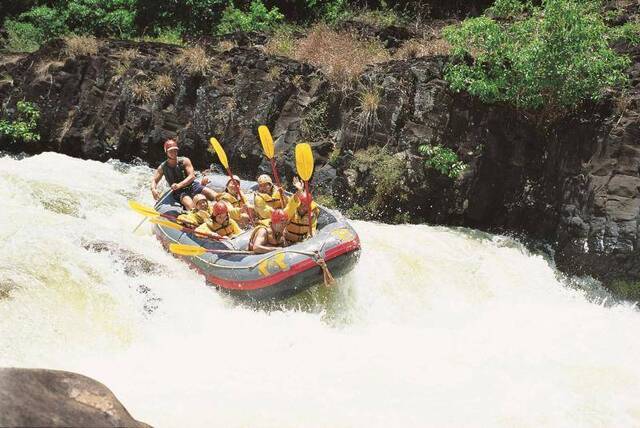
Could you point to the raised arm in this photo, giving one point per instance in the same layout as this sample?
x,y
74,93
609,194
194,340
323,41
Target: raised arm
x,y
157,176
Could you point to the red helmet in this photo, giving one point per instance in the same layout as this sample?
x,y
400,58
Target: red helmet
x,y
278,216
304,198
170,144
219,208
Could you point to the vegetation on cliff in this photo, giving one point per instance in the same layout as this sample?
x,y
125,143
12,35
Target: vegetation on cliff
x,y
553,55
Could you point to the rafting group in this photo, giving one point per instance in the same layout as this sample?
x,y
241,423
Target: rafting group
x,y
276,220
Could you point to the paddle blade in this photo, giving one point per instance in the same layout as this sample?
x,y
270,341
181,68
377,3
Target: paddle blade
x,y
266,140
304,161
142,209
219,151
165,223
187,250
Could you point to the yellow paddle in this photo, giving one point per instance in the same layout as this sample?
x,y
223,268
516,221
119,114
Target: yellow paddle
x,y
142,209
145,218
223,160
194,250
269,151
304,165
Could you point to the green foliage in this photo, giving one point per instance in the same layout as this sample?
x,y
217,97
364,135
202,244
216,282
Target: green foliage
x,y
171,36
196,17
556,56
102,17
387,171
24,125
22,36
509,8
327,200
51,22
629,32
314,123
257,18
627,290
331,10
443,160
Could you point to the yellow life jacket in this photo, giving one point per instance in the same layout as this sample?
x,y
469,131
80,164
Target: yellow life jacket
x,y
298,227
236,202
194,217
230,228
265,203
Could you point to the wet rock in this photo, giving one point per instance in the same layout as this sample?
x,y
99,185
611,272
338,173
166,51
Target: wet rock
x,y
573,183
52,398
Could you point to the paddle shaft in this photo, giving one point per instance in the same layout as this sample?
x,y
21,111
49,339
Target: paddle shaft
x,y
276,176
145,218
306,189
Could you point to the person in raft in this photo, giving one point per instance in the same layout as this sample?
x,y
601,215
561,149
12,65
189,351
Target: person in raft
x,y
233,197
268,235
297,211
179,173
198,215
219,226
267,198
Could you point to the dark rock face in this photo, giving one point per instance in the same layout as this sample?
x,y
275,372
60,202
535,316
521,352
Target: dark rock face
x,y
51,398
574,183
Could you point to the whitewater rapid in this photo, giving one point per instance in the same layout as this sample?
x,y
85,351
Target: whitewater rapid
x,y
434,327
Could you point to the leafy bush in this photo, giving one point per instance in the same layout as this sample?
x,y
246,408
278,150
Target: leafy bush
x,y
508,8
24,125
257,18
102,17
22,36
443,160
556,56
196,17
629,32
51,22
171,36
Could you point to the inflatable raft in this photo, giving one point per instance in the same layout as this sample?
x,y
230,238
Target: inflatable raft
x,y
276,274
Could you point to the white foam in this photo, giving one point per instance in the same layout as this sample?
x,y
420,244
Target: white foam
x,y
434,327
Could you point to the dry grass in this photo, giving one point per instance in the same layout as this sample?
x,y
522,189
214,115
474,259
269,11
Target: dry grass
x,y
163,84
127,55
80,45
225,69
120,70
141,92
274,73
226,45
369,98
416,48
342,56
282,43
43,68
194,60
163,56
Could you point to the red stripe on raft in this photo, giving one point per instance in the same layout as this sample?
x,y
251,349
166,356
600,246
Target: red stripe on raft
x,y
255,284
306,264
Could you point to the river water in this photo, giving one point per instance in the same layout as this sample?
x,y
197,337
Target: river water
x,y
434,327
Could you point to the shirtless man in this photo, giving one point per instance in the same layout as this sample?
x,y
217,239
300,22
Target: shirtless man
x,y
179,173
269,235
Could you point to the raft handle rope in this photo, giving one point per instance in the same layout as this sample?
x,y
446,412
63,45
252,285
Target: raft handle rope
x,y
328,278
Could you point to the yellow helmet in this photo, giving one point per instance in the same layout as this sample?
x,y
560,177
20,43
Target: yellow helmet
x,y
199,197
264,178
